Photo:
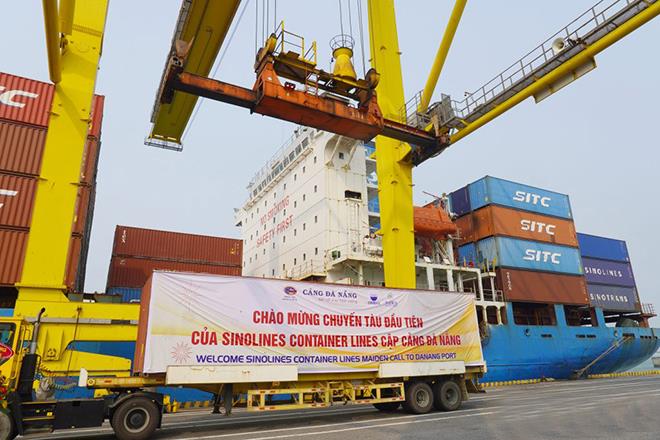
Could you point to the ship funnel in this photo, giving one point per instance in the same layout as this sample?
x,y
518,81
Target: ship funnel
x,y
342,52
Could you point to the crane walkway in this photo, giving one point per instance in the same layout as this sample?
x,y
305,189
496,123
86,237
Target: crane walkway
x,y
590,27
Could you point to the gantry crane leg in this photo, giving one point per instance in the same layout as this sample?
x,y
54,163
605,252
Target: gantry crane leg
x,y
393,163
42,284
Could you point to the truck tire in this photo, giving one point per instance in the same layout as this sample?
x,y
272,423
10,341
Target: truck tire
x,y
447,395
7,427
419,398
136,419
387,406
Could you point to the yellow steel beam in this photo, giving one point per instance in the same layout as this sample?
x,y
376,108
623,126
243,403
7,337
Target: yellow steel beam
x,y
50,231
393,164
441,55
566,68
52,27
204,23
67,7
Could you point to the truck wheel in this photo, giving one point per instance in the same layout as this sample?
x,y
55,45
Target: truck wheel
x,y
135,419
447,395
7,428
387,406
419,398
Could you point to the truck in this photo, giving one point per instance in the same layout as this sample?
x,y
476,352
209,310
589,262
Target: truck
x,y
266,345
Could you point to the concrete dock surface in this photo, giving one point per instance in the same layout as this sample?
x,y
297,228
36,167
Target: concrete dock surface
x,y
620,408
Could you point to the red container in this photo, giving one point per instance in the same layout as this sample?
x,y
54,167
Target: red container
x,y
134,272
175,246
541,287
25,100
98,104
12,254
90,161
16,200
21,148
83,206
72,262
497,220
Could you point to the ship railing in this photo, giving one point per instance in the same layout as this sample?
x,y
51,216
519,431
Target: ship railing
x,y
493,295
283,157
307,269
648,309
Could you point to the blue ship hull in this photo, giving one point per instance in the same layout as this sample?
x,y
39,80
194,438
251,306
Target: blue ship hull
x,y
515,352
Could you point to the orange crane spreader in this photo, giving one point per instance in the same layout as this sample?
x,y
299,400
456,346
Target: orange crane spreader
x,y
337,102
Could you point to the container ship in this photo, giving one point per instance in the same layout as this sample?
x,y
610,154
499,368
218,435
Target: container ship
x,y
551,303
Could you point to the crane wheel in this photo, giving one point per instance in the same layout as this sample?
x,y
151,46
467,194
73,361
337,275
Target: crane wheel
x,y
447,395
135,419
419,398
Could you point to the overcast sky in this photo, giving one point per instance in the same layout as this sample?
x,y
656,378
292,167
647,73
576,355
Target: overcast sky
x,y
596,140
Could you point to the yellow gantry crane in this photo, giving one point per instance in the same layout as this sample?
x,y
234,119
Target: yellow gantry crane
x,y
407,133
74,37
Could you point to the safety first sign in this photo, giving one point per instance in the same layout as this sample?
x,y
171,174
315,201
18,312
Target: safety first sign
x,y
219,320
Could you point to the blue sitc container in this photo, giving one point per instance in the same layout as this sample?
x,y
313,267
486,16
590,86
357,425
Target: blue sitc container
x,y
374,205
615,273
491,190
128,294
459,201
614,298
530,255
467,255
369,148
593,246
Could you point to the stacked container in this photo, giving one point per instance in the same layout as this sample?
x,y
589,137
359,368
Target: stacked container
x,y
526,235
24,115
609,275
137,252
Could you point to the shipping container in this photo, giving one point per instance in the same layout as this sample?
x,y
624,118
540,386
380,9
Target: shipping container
x,y
177,307
25,100
98,104
490,190
21,148
608,272
467,255
12,254
90,161
614,298
128,294
83,205
603,248
459,201
134,272
497,220
72,262
175,246
541,287
525,254
16,200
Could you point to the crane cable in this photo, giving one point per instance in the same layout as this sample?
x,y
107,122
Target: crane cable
x,y
359,9
217,65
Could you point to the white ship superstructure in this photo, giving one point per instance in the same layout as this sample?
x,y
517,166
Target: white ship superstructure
x,y
313,214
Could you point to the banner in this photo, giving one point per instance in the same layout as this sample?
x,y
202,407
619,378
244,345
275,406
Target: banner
x,y
220,320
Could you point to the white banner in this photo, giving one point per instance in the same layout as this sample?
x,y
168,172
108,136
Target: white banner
x,y
220,320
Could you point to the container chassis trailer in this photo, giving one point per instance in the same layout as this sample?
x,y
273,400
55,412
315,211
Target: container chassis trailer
x,y
135,412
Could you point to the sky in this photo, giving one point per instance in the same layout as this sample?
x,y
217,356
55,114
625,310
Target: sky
x,y
595,140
